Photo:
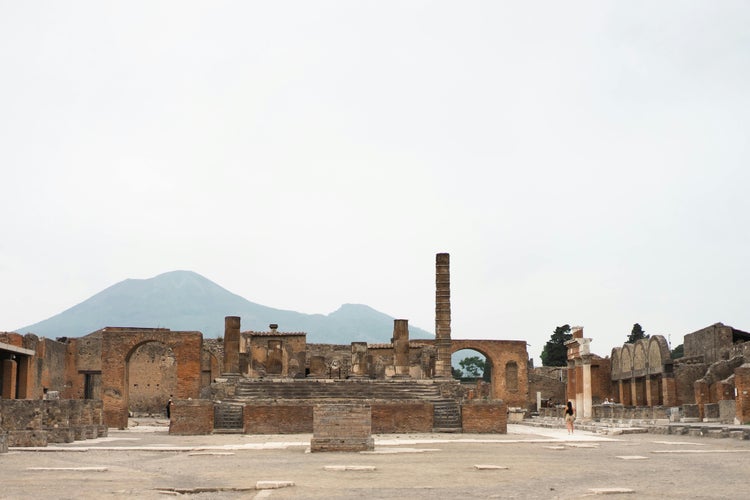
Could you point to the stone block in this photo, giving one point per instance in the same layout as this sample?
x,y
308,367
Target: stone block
x,y
727,410
27,438
3,442
342,427
60,435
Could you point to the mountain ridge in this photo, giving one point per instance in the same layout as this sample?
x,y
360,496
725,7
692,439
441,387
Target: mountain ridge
x,y
184,300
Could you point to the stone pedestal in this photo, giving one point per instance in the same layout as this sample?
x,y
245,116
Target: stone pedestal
x,y
342,427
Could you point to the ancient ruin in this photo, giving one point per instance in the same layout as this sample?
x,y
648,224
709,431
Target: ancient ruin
x,y
257,382
274,382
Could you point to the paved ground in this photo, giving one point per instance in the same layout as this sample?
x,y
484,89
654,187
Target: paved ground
x,y
146,462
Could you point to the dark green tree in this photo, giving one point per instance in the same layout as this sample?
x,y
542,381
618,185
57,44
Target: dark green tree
x,y
457,373
555,353
473,366
636,334
678,352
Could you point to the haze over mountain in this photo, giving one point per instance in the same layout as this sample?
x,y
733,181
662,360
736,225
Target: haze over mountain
x,y
185,300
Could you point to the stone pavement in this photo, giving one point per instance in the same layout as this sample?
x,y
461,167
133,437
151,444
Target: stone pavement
x,y
146,462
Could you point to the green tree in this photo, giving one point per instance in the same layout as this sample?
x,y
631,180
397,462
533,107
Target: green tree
x,y
555,353
473,366
457,373
636,334
677,352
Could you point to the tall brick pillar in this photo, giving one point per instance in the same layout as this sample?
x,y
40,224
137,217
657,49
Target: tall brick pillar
x,y
401,347
443,315
742,385
10,372
231,344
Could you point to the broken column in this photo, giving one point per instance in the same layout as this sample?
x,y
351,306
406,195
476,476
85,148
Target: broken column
x,y
443,316
359,360
401,347
231,345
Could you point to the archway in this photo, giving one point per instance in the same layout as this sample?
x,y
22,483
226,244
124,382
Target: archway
x,y
151,378
119,343
509,367
474,371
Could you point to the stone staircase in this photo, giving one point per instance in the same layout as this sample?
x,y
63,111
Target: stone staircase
x,y
446,416
228,419
295,389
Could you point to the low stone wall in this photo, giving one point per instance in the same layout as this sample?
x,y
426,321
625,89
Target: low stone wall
x,y
3,442
485,417
31,422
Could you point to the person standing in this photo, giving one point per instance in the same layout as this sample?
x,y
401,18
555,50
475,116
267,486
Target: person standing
x,y
569,417
169,407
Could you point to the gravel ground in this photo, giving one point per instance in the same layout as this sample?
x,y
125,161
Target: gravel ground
x,y
146,462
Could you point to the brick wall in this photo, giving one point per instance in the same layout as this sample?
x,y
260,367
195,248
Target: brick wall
x,y
485,417
401,417
278,418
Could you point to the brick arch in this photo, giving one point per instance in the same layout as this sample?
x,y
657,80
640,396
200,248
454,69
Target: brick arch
x,y
500,353
119,344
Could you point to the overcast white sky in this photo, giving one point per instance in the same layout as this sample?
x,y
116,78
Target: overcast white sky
x,y
582,162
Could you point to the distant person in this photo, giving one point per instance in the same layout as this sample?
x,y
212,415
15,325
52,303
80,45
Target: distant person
x,y
169,407
569,417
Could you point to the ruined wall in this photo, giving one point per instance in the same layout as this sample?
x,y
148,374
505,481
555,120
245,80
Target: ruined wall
x,y
713,343
329,360
550,381
152,378
686,372
274,354
50,367
601,383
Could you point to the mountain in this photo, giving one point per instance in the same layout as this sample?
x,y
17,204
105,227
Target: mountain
x,y
184,300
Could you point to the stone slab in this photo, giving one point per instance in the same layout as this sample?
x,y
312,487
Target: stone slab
x,y
273,485
610,491
357,468
490,467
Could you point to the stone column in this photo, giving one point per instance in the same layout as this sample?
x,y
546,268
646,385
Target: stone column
x,y
649,398
359,360
231,344
570,387
669,390
401,347
586,376
443,316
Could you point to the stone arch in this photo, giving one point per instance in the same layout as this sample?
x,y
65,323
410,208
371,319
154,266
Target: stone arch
x,y
639,358
626,361
658,354
499,353
118,344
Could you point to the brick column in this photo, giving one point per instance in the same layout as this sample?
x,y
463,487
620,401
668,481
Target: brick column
x,y
10,372
669,390
742,404
231,344
443,316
